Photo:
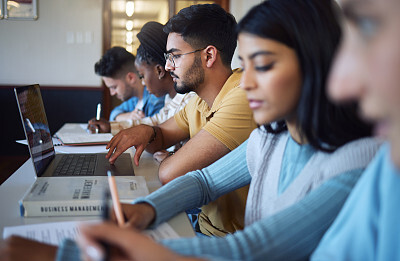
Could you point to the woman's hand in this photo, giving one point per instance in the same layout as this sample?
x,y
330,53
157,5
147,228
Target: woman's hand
x,y
125,244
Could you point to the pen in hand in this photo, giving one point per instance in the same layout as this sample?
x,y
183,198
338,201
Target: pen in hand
x,y
98,115
98,111
115,199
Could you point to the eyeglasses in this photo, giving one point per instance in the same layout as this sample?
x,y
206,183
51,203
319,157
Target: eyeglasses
x,y
171,57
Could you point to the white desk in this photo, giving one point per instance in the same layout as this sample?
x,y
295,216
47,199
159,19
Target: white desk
x,y
12,190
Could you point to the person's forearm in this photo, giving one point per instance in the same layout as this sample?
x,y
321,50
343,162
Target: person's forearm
x,y
154,120
199,187
292,234
155,142
169,170
151,121
122,108
117,126
123,116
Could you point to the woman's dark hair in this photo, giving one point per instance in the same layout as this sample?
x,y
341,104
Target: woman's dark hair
x,y
312,29
153,41
206,24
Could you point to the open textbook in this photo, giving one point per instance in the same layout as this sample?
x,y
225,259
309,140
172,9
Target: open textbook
x,y
54,233
76,134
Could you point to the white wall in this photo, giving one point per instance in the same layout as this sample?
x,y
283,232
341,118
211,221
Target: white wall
x,y
239,8
61,47
58,49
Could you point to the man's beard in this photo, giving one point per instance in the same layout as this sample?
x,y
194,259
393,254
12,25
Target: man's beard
x,y
195,77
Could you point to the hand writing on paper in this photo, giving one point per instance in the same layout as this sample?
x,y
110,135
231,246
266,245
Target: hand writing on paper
x,y
102,125
137,216
127,244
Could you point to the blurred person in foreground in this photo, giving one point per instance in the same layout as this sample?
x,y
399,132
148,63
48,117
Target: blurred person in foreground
x,y
367,69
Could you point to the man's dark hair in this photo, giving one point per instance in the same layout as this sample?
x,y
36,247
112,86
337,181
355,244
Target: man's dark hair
x,y
115,63
203,25
312,30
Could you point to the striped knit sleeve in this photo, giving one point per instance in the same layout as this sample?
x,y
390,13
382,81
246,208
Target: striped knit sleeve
x,y
197,188
291,234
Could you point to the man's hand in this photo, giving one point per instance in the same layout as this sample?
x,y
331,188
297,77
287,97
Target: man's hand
x,y
102,125
18,248
138,216
138,136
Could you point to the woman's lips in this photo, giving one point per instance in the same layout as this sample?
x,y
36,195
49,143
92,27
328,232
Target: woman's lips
x,y
255,104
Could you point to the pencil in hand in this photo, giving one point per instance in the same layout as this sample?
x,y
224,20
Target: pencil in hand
x,y
115,199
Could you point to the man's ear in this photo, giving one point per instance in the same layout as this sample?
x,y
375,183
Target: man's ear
x,y
211,55
160,71
131,77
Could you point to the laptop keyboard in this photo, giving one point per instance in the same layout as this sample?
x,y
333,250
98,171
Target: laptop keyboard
x,y
76,165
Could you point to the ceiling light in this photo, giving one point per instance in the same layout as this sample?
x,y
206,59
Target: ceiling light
x,y
129,37
129,25
130,8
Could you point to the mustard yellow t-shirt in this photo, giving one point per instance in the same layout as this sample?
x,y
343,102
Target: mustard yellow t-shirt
x,y
230,120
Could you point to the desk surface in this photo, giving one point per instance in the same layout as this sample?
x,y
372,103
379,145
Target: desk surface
x,y
13,189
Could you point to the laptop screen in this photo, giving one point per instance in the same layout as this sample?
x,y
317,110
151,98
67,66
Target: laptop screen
x,y
36,127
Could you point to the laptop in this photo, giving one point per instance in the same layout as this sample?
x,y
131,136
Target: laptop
x,y
46,162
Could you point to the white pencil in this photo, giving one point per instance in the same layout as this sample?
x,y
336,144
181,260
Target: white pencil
x,y
98,111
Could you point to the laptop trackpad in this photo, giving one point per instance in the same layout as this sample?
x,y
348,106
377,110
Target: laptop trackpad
x,y
122,167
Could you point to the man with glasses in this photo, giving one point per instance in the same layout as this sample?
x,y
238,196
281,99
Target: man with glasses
x,y
200,46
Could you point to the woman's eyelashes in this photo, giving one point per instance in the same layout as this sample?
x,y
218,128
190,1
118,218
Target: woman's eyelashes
x,y
264,68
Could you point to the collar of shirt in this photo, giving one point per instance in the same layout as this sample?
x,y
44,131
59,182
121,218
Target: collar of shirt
x,y
232,82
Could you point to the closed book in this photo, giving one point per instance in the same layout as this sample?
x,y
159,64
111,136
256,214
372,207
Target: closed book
x,y
77,196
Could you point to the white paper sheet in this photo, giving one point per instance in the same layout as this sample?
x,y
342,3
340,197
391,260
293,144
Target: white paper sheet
x,y
54,233
50,233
